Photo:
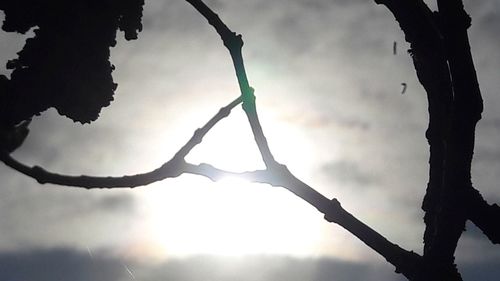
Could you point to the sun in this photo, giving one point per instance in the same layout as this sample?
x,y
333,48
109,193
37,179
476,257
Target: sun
x,y
231,217
191,215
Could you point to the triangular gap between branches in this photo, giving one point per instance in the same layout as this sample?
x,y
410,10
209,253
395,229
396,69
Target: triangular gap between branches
x,y
229,145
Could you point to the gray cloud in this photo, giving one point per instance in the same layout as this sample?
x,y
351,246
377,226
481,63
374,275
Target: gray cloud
x,y
489,270
261,268
58,264
473,232
40,216
67,264
349,172
116,203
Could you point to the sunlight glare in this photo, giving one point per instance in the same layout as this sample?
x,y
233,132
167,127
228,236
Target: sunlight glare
x,y
230,217
191,215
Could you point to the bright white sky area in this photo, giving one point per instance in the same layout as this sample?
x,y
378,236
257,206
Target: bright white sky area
x,y
328,90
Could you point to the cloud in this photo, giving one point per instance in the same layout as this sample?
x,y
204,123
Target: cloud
x,y
68,264
489,270
58,264
349,172
42,216
476,256
262,268
473,232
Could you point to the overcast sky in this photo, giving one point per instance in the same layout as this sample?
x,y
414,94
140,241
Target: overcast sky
x,y
328,90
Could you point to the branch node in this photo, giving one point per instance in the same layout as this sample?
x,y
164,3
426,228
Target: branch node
x,y
249,100
39,173
198,134
224,112
209,171
232,41
333,212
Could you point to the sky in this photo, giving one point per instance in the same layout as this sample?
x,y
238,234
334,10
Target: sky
x,y
329,95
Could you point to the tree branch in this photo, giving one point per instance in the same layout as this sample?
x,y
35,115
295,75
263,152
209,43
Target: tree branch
x,y
423,32
465,112
234,44
425,37
444,65
173,168
406,262
482,214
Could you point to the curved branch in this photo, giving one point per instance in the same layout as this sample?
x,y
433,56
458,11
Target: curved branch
x,y
216,174
234,43
406,262
201,132
173,168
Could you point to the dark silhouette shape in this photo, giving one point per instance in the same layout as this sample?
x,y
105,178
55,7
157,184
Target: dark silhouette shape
x,y
403,90
66,65
11,138
441,56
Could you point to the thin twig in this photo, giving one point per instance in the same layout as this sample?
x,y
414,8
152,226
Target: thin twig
x,y
173,168
234,44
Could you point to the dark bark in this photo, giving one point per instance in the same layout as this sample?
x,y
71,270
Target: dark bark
x,y
486,217
465,113
441,55
423,33
443,62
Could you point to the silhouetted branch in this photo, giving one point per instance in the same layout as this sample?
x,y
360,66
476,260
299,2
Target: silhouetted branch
x,y
200,133
465,112
170,169
406,262
234,43
444,65
173,168
216,174
427,51
485,216
415,19
423,31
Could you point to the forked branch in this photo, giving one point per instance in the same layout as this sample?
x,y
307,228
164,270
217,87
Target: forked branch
x,y
429,60
173,168
234,44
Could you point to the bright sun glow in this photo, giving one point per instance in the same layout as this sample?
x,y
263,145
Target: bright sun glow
x,y
230,217
191,215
